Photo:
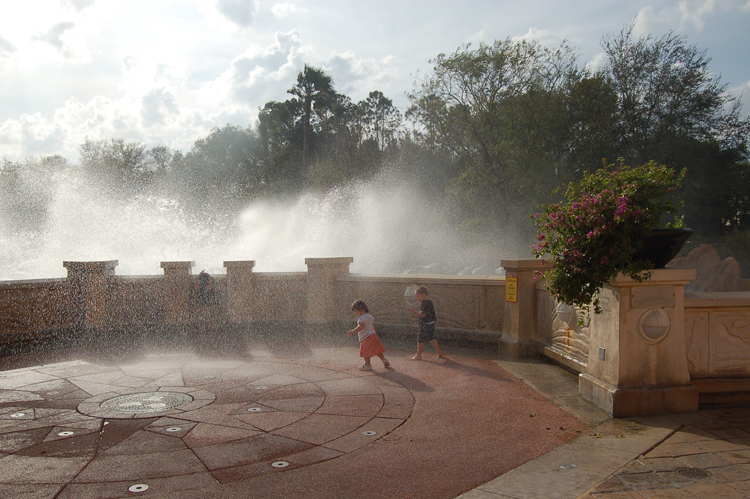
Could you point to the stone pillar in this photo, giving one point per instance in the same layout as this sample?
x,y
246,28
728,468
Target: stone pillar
x,y
321,292
637,361
91,281
176,290
240,306
519,338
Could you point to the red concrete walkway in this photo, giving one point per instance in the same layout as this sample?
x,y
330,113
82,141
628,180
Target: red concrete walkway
x,y
269,425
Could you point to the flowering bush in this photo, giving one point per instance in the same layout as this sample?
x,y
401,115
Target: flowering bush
x,y
593,236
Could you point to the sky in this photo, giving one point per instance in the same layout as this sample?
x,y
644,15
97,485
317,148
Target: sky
x,y
165,72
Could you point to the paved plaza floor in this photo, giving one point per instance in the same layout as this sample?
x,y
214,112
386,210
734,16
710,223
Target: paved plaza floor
x,y
272,421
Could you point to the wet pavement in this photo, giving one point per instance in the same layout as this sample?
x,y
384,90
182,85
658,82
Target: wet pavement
x,y
678,456
272,422
268,423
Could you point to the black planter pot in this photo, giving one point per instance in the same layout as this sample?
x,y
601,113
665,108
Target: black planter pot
x,y
662,245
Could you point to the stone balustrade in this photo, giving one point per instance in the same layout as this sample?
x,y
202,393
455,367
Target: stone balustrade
x,y
654,349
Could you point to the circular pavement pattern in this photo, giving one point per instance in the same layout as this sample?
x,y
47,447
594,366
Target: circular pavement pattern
x,y
200,421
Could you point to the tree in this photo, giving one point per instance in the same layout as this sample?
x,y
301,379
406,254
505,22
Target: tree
x,y
666,93
281,140
119,166
671,108
498,110
592,124
380,119
27,189
223,169
315,91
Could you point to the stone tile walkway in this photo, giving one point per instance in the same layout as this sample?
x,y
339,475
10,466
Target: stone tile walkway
x,y
707,457
678,456
310,424
268,425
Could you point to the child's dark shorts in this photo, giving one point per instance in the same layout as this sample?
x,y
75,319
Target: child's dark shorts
x,y
426,333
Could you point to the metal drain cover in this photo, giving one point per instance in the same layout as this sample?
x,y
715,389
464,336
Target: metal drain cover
x,y
693,473
146,402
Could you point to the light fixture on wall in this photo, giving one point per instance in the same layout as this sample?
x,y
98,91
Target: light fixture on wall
x,y
566,313
654,325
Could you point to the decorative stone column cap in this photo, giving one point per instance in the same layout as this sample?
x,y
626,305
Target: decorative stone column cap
x,y
344,260
240,264
106,267
671,275
178,264
176,267
525,264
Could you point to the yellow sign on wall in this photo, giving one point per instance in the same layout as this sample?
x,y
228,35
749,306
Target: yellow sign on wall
x,y
511,289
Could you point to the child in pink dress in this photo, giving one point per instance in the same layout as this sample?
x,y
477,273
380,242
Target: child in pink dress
x,y
369,342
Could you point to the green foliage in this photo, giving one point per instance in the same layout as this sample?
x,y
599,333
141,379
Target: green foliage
x,y
26,191
314,89
499,110
594,234
224,168
117,165
666,94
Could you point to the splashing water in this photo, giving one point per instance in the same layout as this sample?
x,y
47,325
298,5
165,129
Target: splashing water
x,y
387,225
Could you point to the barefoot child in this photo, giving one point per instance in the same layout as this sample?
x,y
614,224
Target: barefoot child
x,y
426,318
369,342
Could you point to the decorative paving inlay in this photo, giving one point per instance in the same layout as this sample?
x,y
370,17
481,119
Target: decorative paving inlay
x,y
213,420
146,402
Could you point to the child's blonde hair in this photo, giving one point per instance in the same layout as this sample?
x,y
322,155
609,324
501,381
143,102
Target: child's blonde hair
x,y
360,305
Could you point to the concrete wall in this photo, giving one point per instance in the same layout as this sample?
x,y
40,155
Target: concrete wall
x,y
703,357
94,299
655,349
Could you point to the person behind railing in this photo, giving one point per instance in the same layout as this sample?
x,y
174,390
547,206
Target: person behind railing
x,y
205,305
426,318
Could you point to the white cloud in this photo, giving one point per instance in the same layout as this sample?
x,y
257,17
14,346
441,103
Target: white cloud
x,y
356,76
283,10
597,63
696,15
243,82
476,38
548,38
155,105
742,92
240,12
167,72
6,47
68,41
54,35
31,135
77,5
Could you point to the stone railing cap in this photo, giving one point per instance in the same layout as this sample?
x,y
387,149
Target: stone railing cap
x,y
673,275
524,264
177,264
329,261
96,266
240,263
